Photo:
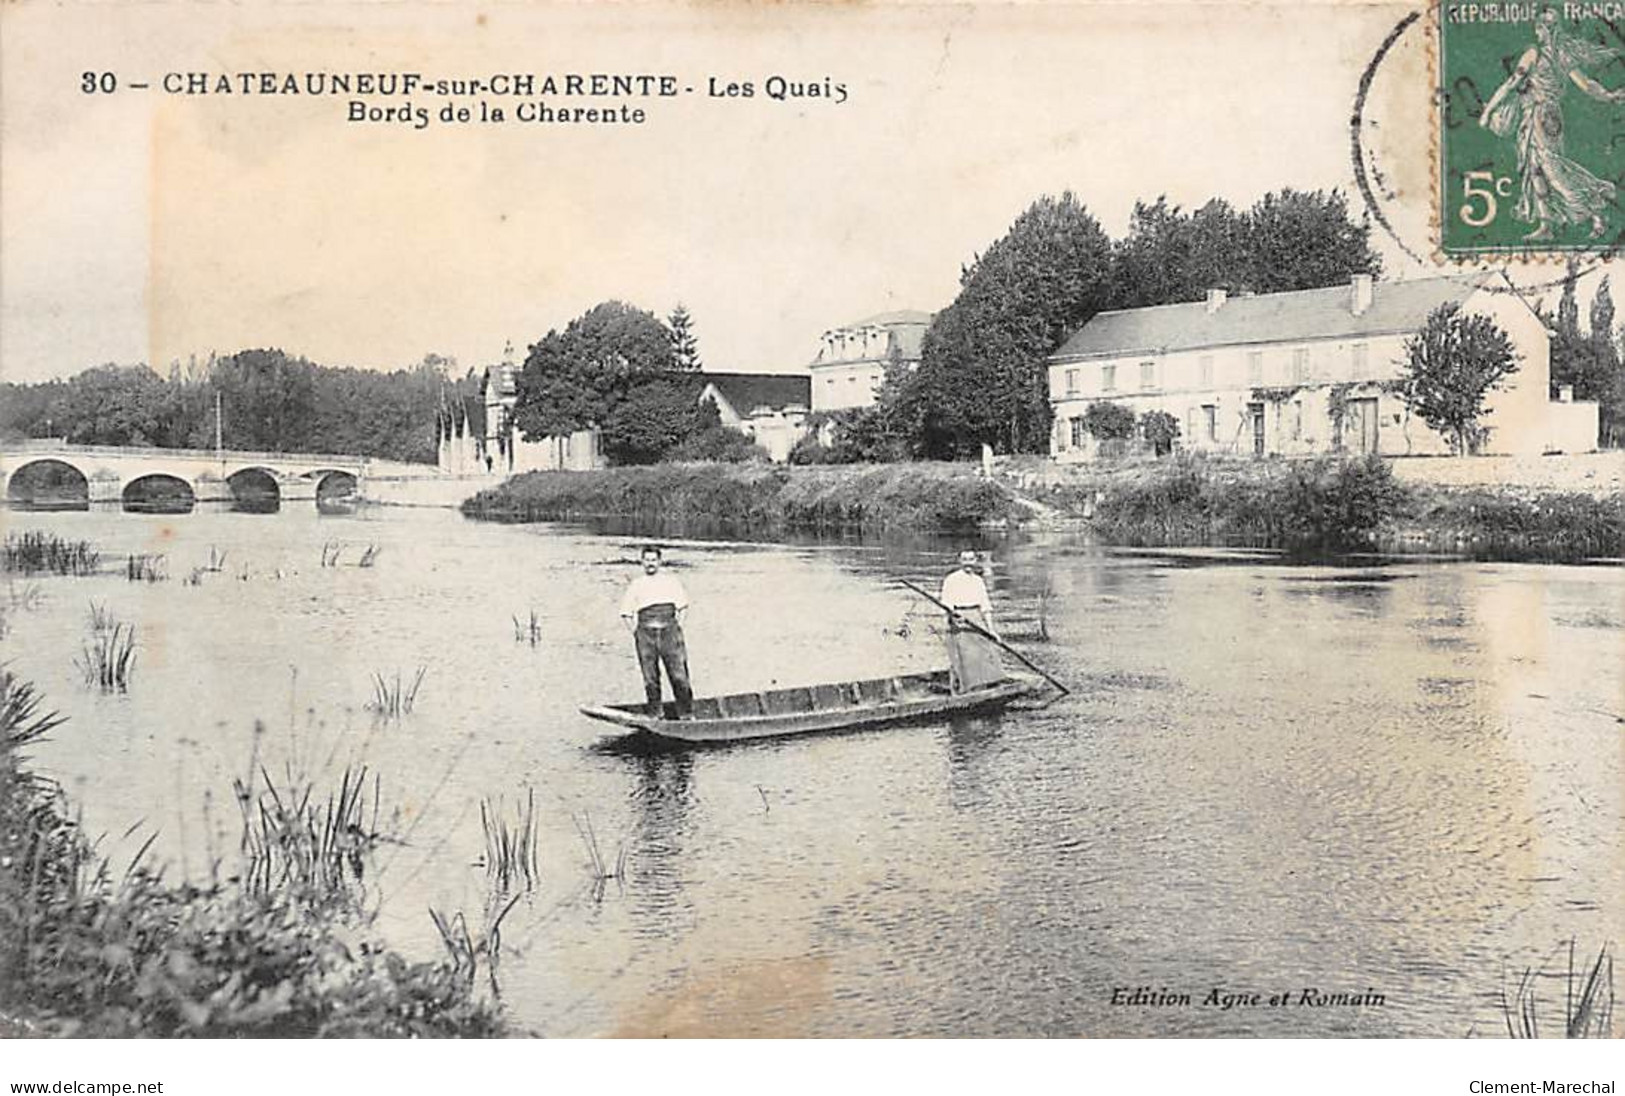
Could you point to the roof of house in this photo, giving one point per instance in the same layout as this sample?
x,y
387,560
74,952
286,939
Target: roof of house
x,y
906,329
503,376
1269,318
891,319
746,392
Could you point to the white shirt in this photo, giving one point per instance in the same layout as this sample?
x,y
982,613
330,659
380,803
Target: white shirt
x,y
966,590
646,590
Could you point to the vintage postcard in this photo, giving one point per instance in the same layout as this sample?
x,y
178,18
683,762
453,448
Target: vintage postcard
x,y
835,520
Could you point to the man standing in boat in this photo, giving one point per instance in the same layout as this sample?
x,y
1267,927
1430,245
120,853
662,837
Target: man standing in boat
x,y
653,608
973,658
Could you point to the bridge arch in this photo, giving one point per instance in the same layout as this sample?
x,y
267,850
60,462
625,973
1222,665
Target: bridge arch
x,y
48,484
255,490
335,486
158,493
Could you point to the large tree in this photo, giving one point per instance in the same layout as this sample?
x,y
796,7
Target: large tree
x,y
113,405
1288,240
982,376
1450,368
1299,239
573,379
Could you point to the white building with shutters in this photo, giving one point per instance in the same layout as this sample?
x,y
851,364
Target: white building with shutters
x,y
1304,372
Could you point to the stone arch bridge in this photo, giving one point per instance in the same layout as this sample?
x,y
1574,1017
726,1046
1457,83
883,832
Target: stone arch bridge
x,y
56,472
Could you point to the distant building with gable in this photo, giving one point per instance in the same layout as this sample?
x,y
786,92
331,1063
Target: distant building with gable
x,y
770,408
1305,372
853,358
478,433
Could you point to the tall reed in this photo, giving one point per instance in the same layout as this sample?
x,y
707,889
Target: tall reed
x,y
109,656
599,873
528,631
1588,999
314,846
392,699
466,951
145,568
510,845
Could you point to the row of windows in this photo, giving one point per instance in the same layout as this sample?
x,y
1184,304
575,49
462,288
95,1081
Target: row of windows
x,y
1202,422
1298,367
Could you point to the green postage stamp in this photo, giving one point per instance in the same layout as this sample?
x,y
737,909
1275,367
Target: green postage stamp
x,y
1532,127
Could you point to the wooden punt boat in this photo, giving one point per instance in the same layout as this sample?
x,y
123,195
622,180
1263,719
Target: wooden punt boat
x,y
804,709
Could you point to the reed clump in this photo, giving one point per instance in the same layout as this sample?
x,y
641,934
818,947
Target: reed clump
x,y
297,840
510,844
108,655
394,697
36,552
146,567
528,631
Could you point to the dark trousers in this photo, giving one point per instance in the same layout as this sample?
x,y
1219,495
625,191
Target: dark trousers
x,y
664,645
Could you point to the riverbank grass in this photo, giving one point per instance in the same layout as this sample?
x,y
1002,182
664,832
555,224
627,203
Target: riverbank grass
x,y
757,499
91,951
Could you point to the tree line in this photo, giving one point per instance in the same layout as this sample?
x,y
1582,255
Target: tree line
x,y
983,373
635,377
268,400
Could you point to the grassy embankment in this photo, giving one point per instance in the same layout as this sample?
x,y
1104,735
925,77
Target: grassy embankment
x,y
278,945
1328,504
757,499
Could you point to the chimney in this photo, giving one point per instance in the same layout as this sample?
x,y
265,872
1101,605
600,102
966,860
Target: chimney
x,y
1565,393
1360,299
1215,300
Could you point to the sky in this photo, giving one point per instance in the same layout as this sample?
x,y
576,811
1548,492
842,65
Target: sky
x,y
147,226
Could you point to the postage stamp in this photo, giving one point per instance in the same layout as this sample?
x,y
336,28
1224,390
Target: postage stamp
x,y
1532,124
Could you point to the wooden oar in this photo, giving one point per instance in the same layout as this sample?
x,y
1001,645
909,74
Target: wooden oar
x,y
975,627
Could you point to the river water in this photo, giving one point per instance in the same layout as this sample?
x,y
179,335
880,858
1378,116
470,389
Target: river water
x,y
1394,778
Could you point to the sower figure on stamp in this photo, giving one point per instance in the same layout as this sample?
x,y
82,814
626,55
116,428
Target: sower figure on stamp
x,y
653,607
1555,190
973,658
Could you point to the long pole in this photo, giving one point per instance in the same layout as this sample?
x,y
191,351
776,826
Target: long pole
x,y
975,627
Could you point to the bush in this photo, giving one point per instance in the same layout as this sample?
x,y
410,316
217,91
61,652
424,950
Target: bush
x,y
1323,504
1160,430
1551,525
1109,421
719,444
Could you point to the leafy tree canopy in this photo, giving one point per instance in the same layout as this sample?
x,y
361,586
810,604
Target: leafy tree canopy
x,y
1450,367
982,376
576,378
1289,239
